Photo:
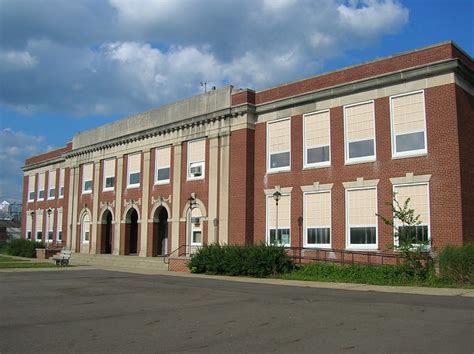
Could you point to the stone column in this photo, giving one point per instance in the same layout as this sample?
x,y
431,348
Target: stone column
x,y
95,207
213,187
224,190
70,212
75,202
145,204
176,196
118,206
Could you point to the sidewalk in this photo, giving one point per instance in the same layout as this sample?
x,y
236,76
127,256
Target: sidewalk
x,y
271,281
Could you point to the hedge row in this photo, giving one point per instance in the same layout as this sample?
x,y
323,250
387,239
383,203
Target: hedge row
x,y
257,261
22,248
456,263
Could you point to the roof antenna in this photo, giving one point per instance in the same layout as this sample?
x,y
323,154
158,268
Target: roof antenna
x,y
204,84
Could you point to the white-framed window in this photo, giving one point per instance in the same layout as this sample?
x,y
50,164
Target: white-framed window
x,y
41,181
87,172
317,139
359,133
133,170
196,159
85,228
50,228
419,194
279,218
162,165
109,175
361,218
39,225
52,184
317,219
59,227
196,227
29,224
61,183
31,188
279,145
408,124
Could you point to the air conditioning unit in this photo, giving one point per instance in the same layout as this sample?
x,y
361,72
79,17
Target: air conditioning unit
x,y
196,171
195,221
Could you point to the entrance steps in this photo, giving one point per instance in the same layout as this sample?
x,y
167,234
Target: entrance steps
x,y
120,263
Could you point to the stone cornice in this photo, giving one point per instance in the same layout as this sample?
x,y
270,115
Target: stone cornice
x,y
406,75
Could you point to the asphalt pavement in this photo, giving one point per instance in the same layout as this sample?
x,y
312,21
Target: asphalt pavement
x,y
105,311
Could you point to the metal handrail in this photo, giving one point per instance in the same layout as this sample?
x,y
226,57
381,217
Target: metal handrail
x,y
167,257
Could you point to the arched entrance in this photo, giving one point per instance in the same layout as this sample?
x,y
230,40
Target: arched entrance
x,y
160,232
131,232
106,233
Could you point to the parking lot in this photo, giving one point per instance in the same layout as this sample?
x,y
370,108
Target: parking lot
x,y
103,311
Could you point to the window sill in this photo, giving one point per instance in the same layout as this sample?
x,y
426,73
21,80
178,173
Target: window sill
x,y
86,192
363,249
407,156
322,245
355,162
53,198
195,178
274,171
131,186
108,189
158,183
315,166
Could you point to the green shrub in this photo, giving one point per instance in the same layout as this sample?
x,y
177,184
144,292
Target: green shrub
x,y
24,248
456,263
256,261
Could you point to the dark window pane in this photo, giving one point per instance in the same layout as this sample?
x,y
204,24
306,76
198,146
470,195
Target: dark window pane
x,y
416,234
163,174
281,159
28,235
109,182
32,196
363,235
134,178
52,192
409,142
319,235
197,237
361,148
41,195
283,236
50,235
39,235
60,235
61,191
88,185
319,154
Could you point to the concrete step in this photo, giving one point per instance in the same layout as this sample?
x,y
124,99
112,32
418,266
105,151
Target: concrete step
x,y
119,262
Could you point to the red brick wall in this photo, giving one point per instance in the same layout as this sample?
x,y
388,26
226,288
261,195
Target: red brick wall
x,y
46,204
383,66
441,162
244,96
200,187
465,105
178,265
48,155
241,179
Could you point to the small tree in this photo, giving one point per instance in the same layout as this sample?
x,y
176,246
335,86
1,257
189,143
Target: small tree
x,y
417,258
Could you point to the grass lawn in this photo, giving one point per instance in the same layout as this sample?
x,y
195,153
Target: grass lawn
x,y
364,274
9,263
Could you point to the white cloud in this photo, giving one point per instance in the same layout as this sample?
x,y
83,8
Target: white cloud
x,y
15,147
16,60
151,52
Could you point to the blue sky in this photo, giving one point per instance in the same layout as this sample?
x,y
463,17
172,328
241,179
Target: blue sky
x,y
69,66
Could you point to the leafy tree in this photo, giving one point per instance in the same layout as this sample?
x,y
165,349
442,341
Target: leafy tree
x,y
415,251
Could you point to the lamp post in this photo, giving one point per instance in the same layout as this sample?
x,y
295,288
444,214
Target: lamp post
x,y
46,238
192,204
276,197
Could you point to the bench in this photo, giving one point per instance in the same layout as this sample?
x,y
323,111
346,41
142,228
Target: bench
x,y
62,258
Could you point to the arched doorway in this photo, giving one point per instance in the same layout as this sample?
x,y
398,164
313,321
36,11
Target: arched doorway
x,y
160,232
106,233
195,235
131,232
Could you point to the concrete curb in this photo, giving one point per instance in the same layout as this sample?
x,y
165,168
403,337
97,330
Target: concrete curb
x,y
411,290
